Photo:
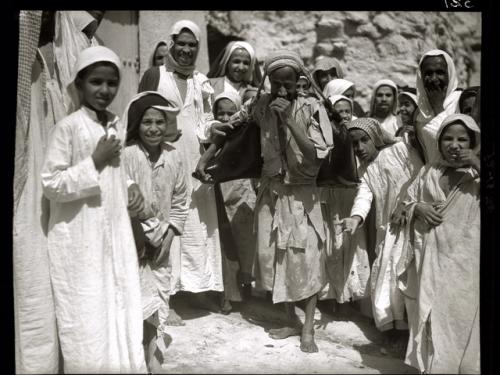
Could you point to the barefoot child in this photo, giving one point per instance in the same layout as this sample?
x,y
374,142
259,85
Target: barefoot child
x,y
290,233
155,166
93,261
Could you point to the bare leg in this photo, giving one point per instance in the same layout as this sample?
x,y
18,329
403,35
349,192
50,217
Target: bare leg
x,y
293,326
307,343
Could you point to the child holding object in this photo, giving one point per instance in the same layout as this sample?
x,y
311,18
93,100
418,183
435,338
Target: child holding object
x,y
93,260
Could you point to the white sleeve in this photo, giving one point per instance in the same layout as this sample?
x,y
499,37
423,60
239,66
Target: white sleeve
x,y
362,201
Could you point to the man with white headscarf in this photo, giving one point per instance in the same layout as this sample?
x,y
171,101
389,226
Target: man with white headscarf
x,y
384,105
179,82
437,97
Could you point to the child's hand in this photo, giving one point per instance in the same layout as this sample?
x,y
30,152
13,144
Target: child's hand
x,y
106,150
135,199
200,173
220,128
467,157
427,213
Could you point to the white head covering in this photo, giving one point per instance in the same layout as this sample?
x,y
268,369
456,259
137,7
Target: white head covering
x,y
337,87
391,84
184,24
410,95
221,69
152,59
86,58
230,95
337,98
172,64
423,102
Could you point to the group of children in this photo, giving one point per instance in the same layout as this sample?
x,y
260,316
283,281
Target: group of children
x,y
122,199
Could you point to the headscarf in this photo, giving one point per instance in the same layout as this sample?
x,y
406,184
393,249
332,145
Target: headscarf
x,y
423,101
337,98
230,95
393,86
337,87
152,59
132,115
29,33
469,123
171,64
86,58
372,128
69,41
307,79
410,95
467,93
219,66
326,64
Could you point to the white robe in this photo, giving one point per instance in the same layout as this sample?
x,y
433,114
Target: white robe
x,y
201,262
92,256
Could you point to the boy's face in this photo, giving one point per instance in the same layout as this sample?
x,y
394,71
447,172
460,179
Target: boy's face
x,y
343,108
302,86
454,139
406,109
99,87
283,83
153,128
225,109
363,146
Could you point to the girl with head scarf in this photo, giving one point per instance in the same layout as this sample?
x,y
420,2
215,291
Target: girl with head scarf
x,y
344,87
235,69
155,165
384,105
93,261
180,83
325,70
159,54
389,167
442,227
437,97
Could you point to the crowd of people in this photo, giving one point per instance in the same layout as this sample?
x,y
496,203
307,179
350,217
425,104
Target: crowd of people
x,y
117,214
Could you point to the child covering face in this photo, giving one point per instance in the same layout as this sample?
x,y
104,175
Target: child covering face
x,y
155,165
91,247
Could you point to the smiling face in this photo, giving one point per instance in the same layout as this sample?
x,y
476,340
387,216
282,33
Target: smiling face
x,y
384,101
153,128
238,65
98,85
284,83
160,55
363,145
343,108
434,71
454,138
406,109
302,86
225,109
185,48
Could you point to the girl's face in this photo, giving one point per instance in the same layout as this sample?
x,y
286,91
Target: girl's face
x,y
160,55
344,110
153,128
185,48
325,76
99,86
349,93
238,65
302,86
225,109
406,109
363,146
454,138
283,83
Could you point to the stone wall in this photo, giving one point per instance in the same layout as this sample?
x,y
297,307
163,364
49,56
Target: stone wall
x,y
370,45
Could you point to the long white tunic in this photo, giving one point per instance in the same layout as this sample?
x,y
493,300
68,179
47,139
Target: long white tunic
x,y
92,255
201,262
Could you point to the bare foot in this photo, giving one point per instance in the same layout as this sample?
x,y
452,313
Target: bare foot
x,y
307,343
226,307
173,319
283,333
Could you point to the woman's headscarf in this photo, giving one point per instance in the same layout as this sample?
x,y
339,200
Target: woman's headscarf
x,y
326,64
132,115
372,128
171,64
69,41
337,87
86,58
158,45
230,95
423,101
465,120
218,68
337,98
409,95
393,86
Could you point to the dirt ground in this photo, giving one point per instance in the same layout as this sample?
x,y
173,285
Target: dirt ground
x,y
210,343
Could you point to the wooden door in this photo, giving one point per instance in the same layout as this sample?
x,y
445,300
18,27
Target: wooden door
x,y
119,31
